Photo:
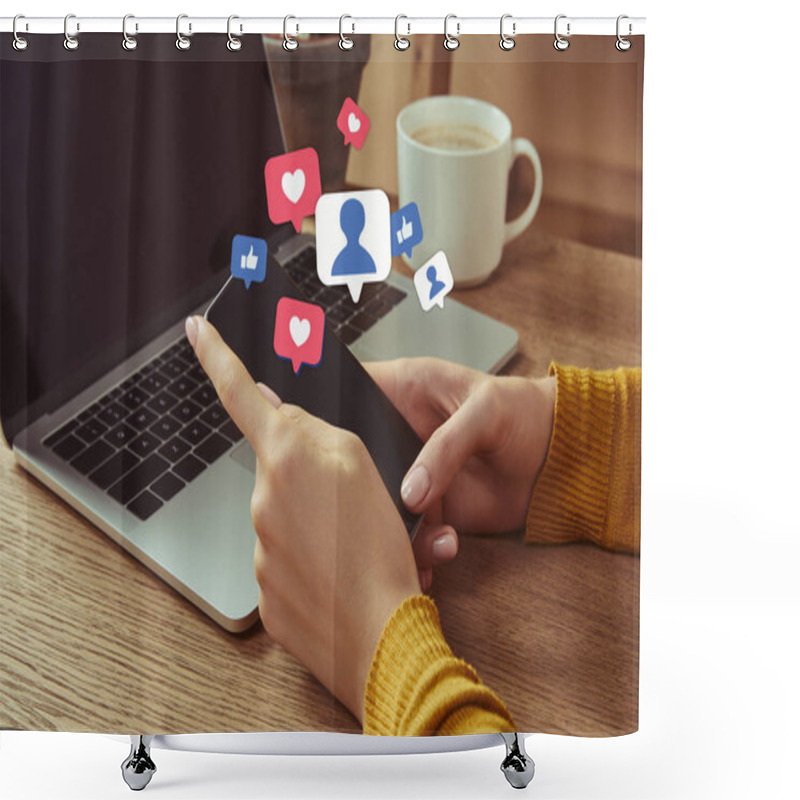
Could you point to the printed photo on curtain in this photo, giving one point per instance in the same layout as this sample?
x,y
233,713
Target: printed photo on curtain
x,y
321,385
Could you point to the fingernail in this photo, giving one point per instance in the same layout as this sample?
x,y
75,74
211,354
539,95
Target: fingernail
x,y
269,394
191,330
416,486
445,547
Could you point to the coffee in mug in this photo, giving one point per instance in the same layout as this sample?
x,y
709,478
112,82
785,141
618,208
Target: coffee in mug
x,y
454,156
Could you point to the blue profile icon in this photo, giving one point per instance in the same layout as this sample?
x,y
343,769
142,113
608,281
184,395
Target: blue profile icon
x,y
436,284
354,259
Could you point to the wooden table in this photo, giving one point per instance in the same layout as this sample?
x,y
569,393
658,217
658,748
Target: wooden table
x,y
90,640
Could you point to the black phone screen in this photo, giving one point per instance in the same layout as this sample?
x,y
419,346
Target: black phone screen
x,y
338,390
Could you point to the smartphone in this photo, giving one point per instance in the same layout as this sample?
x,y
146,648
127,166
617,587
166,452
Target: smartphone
x,y
338,389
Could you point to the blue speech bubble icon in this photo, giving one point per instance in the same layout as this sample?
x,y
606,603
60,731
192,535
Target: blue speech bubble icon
x,y
406,230
248,259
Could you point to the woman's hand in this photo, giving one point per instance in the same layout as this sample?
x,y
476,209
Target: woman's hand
x,y
486,440
333,559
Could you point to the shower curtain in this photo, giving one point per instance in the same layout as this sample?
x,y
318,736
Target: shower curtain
x,y
501,182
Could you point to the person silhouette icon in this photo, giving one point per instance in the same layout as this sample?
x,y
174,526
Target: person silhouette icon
x,y
436,284
354,259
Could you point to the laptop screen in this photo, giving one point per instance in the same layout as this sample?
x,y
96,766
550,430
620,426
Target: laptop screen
x,y
123,179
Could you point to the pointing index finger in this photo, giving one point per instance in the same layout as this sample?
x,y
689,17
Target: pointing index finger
x,y
250,410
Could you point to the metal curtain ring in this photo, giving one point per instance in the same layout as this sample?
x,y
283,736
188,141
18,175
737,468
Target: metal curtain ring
x,y
288,42
400,42
19,42
70,42
234,43
506,42
129,42
623,44
451,42
560,43
182,43
345,43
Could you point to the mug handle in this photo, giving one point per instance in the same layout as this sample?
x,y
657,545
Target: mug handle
x,y
522,147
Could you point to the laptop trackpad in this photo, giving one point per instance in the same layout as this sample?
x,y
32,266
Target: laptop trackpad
x,y
245,455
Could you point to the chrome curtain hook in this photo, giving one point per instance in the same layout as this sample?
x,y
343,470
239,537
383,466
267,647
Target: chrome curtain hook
x,y
451,42
623,44
345,43
561,43
19,43
506,42
234,43
129,42
182,43
289,43
400,42
70,42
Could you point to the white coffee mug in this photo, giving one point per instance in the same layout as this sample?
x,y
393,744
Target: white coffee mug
x,y
460,187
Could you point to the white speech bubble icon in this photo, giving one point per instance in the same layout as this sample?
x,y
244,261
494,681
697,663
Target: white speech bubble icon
x,y
433,281
353,239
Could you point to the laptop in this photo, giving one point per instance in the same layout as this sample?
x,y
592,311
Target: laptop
x,y
124,180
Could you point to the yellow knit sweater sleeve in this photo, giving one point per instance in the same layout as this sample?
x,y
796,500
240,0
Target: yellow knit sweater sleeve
x,y
590,486
416,686
588,489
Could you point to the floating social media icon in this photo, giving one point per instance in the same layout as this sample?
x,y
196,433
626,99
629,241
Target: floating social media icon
x,y
353,123
433,281
353,239
293,186
299,332
406,230
248,259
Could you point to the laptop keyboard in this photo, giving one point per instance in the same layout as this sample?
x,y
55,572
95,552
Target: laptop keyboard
x,y
155,432
349,319
145,439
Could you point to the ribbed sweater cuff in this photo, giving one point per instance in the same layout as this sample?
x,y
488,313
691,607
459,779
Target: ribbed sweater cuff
x,y
416,686
570,499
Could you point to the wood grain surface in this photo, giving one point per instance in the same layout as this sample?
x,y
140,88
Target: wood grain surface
x,y
90,640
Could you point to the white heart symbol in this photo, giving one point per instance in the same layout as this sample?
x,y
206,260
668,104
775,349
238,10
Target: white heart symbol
x,y
293,184
300,329
353,122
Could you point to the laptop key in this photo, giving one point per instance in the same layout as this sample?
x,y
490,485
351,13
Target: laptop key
x,y
60,433
112,414
183,386
141,418
204,395
186,411
348,334
165,427
230,430
363,322
145,505
138,479
167,486
195,432
378,308
145,444
339,313
212,448
91,430
121,435
113,469
69,447
174,368
175,449
189,468
214,416
155,382
197,373
162,402
133,398
93,457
